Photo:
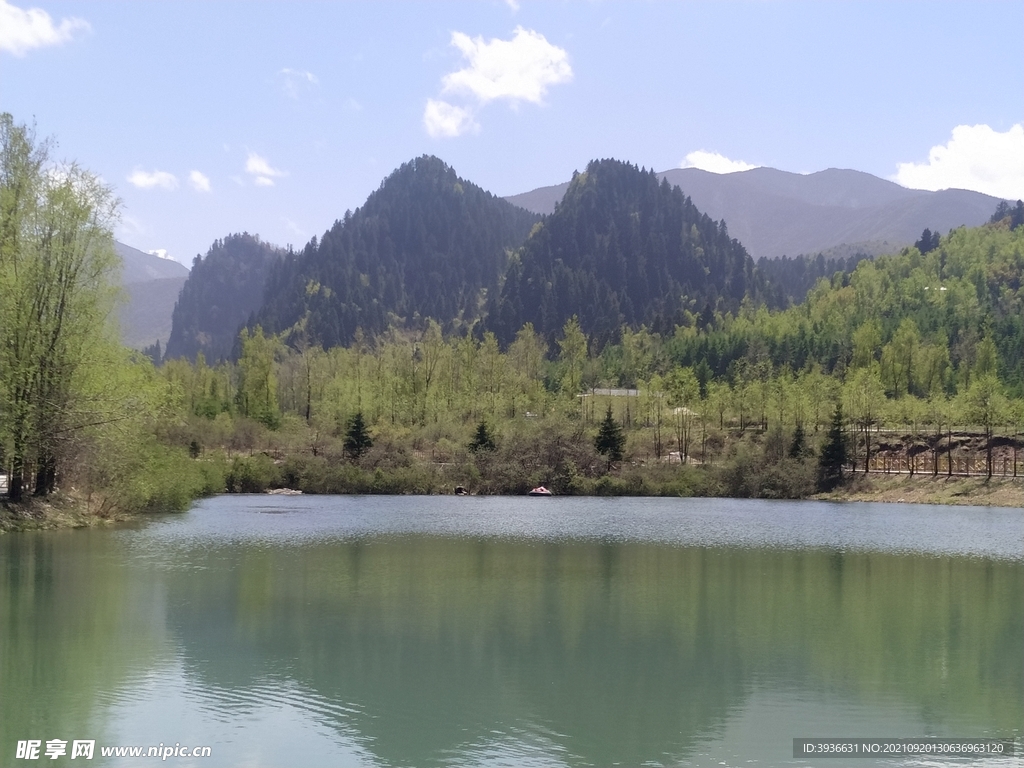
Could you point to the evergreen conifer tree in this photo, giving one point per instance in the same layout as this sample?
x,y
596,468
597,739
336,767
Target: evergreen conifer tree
x,y
1017,215
798,448
610,441
357,438
833,454
482,440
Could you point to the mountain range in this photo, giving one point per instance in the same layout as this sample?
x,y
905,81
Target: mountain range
x,y
776,213
615,246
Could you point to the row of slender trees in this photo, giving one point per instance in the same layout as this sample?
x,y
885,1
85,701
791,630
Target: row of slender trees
x,y
57,269
416,381
76,406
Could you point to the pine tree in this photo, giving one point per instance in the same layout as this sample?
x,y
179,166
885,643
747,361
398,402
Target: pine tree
x,y
1017,215
833,454
357,438
610,441
929,241
1002,211
482,440
798,448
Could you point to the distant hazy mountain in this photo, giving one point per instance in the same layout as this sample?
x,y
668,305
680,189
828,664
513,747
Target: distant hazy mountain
x,y
775,213
152,285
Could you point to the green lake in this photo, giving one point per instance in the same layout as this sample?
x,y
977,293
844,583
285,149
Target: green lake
x,y
444,631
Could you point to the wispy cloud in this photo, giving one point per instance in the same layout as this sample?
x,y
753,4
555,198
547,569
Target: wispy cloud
x,y
262,172
200,181
513,4
442,119
295,82
295,229
976,157
152,179
518,70
129,227
714,162
21,30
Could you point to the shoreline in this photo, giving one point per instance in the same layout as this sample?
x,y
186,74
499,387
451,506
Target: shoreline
x,y
62,512
59,511
931,489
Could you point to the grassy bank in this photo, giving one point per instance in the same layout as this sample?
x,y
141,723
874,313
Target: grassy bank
x,y
927,489
58,510
162,480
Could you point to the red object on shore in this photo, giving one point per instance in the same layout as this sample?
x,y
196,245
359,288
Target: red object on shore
x,y
540,490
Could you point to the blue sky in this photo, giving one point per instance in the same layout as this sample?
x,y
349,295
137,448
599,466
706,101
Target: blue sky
x,y
274,118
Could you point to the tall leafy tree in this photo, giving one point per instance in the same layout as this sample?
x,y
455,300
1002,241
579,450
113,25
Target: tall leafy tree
x,y
257,380
57,269
984,404
572,354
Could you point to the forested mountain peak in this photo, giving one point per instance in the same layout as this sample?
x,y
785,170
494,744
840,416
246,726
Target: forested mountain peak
x,y
621,248
426,243
223,289
775,213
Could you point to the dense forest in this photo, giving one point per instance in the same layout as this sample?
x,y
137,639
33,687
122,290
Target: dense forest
x,y
789,280
927,320
223,291
621,249
427,244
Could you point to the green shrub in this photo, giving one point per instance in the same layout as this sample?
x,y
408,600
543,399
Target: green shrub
x,y
252,474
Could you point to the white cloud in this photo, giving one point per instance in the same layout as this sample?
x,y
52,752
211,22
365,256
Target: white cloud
x,y
296,81
444,120
161,253
520,69
148,180
714,162
262,172
513,4
200,181
976,158
21,30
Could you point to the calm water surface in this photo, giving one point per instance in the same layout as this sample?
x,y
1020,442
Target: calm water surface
x,y
433,631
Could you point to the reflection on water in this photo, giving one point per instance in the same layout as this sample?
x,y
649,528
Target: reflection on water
x,y
399,631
